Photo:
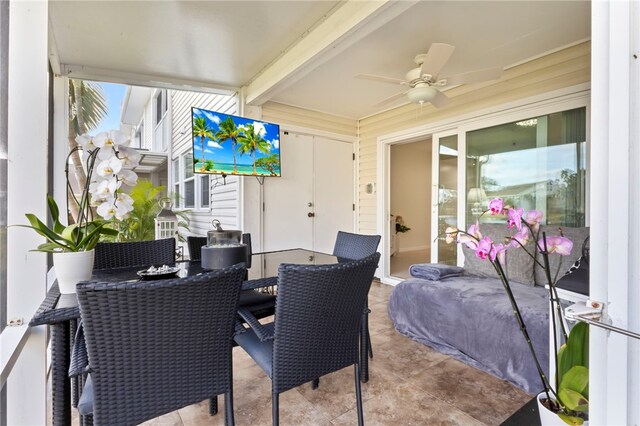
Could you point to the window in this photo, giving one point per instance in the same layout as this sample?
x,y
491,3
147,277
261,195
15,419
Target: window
x,y
204,191
139,136
176,182
161,105
189,181
538,163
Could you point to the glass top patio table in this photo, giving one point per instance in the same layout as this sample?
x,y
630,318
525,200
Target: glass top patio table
x,y
61,312
262,273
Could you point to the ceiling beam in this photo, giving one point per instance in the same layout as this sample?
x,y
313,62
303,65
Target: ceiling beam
x,y
351,22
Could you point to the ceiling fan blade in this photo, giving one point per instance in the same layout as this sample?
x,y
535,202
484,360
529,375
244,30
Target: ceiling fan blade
x,y
474,76
390,99
380,78
437,57
440,100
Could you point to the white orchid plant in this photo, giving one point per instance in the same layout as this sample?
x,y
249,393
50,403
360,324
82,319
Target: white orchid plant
x,y
108,163
114,169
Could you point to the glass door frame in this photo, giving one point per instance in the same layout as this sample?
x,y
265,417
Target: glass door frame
x,y
435,182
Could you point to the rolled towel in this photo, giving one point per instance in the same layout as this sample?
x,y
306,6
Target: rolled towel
x,y
434,271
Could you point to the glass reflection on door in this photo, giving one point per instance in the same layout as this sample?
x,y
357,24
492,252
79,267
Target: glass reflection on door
x,y
446,196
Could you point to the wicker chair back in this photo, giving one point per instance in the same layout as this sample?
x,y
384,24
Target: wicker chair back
x,y
157,346
135,253
318,314
355,246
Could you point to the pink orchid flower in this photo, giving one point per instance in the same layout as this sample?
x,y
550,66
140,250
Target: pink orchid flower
x,y
520,238
557,244
533,218
450,234
484,248
496,206
471,237
514,218
498,251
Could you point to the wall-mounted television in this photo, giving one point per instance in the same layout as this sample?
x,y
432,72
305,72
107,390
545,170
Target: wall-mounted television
x,y
232,145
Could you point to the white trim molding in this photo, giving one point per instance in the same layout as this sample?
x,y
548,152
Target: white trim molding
x,y
615,210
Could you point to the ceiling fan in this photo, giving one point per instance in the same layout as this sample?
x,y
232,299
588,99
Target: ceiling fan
x,y
424,80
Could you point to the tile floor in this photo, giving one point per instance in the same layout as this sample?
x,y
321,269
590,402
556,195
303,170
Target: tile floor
x,y
410,384
401,261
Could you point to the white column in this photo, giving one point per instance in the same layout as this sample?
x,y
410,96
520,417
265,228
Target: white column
x,y
615,210
28,118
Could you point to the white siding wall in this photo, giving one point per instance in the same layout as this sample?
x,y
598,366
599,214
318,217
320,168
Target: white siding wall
x,y
284,115
224,198
561,69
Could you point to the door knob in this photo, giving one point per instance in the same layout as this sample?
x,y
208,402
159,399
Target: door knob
x,y
311,214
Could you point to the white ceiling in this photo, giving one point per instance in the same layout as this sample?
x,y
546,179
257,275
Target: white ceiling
x,y
230,43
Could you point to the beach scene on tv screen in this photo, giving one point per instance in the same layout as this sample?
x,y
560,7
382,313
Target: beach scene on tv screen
x,y
234,145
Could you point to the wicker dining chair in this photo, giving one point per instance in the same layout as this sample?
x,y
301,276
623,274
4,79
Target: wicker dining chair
x,y
358,246
135,253
157,346
316,326
355,246
195,244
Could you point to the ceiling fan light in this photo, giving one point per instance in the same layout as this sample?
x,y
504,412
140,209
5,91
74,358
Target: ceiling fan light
x,y
421,95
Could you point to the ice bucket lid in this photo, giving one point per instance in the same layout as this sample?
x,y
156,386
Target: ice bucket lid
x,y
220,237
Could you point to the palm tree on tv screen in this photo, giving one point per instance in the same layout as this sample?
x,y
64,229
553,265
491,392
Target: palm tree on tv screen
x,y
251,141
269,163
202,130
228,130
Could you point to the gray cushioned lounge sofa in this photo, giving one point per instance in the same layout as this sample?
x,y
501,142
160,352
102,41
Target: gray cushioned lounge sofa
x,y
469,317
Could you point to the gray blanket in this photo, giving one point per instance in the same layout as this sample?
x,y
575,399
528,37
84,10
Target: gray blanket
x,y
434,271
470,318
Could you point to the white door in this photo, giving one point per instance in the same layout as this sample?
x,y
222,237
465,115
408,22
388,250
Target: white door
x,y
287,198
444,196
313,200
334,206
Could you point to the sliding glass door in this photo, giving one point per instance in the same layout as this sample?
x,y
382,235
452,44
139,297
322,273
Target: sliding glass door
x,y
444,196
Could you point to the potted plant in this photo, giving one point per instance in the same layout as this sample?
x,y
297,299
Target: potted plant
x,y
566,401
108,163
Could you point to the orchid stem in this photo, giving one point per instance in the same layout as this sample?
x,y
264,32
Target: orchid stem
x,y
523,327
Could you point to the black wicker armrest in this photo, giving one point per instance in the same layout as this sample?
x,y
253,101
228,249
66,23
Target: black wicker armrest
x,y
79,357
262,333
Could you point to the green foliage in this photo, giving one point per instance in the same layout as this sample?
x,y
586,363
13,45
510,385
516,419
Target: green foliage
x,y
251,141
402,228
229,130
72,238
575,351
147,203
208,165
268,163
573,374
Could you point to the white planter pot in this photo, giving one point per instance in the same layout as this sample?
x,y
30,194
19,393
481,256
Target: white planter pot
x,y
548,417
71,268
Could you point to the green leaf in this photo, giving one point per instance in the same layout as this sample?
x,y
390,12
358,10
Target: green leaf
x,y
576,379
573,400
54,212
51,247
69,233
575,351
571,420
41,228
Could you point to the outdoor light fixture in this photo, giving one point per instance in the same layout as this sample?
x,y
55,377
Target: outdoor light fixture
x,y
422,93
